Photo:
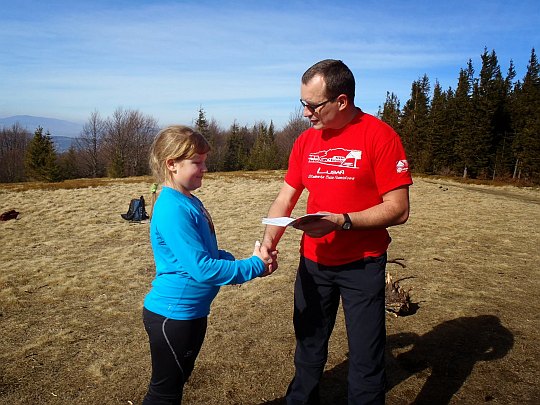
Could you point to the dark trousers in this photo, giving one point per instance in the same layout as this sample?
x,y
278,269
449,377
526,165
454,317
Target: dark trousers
x,y
174,346
316,300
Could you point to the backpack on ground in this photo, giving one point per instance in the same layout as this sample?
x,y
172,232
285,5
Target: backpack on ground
x,y
11,214
136,211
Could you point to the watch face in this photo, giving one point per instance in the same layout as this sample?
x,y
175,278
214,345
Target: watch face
x,y
347,225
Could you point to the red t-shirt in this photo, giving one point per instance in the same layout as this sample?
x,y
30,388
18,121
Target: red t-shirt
x,y
347,170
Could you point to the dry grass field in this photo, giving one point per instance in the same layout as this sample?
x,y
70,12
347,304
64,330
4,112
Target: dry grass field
x,y
73,275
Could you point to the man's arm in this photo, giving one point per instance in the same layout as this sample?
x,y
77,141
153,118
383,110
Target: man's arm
x,y
393,210
281,207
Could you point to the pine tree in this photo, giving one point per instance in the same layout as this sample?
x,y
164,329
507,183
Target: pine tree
x,y
526,145
491,118
442,142
264,152
202,126
390,112
461,116
40,159
67,163
235,155
117,165
504,157
414,122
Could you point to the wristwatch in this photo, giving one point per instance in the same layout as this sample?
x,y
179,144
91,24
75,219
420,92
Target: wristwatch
x,y
347,224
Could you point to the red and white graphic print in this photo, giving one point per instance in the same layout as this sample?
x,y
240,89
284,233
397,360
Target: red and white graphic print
x,y
337,157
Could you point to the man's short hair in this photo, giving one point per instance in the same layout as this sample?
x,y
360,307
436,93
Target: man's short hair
x,y
337,77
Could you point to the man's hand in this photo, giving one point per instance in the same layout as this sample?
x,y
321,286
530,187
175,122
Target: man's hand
x,y
269,257
321,226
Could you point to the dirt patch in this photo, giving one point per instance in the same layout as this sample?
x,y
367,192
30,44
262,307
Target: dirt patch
x,y
73,276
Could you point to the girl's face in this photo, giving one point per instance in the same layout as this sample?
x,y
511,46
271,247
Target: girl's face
x,y
187,174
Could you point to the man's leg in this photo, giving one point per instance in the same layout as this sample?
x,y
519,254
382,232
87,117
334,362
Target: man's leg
x,y
362,292
316,301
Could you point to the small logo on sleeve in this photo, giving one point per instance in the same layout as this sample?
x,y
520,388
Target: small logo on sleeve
x,y
402,166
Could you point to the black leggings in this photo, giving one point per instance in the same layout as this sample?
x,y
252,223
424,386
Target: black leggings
x,y
174,346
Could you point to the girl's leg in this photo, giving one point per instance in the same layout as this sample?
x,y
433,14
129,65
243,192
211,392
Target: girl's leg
x,y
174,346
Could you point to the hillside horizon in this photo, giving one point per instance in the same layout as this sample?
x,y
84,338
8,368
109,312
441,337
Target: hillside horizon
x,y
56,127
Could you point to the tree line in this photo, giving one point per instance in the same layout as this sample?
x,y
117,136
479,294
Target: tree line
x,y
488,127
118,146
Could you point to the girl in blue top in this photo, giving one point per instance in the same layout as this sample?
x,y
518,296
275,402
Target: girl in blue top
x,y
189,266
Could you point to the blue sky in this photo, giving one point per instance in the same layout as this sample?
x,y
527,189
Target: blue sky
x,y
240,60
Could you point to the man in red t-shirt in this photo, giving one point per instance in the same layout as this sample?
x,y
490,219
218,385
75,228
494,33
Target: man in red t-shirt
x,y
355,169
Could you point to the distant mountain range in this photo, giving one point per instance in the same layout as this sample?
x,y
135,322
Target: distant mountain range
x,y
53,126
62,132
63,143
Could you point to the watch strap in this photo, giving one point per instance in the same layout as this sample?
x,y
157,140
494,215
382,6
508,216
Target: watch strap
x,y
347,224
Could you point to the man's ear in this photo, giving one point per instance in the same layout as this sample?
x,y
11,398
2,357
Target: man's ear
x,y
343,101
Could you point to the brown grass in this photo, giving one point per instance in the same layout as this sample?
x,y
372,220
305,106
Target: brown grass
x,y
74,274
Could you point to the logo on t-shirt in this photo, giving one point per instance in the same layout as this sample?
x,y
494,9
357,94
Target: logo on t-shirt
x,y
338,157
402,166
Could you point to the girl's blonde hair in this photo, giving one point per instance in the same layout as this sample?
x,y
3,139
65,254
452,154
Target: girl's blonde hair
x,y
177,142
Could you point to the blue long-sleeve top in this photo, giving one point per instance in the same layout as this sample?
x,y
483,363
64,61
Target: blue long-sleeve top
x,y
189,266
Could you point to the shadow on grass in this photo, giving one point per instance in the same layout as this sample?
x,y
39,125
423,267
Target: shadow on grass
x,y
450,350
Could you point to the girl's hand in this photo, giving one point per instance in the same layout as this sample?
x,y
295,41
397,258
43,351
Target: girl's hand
x,y
270,260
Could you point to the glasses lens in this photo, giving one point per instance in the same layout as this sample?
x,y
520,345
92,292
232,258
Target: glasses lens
x,y
305,105
313,107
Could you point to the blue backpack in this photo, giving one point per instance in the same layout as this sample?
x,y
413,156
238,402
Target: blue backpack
x,y
136,211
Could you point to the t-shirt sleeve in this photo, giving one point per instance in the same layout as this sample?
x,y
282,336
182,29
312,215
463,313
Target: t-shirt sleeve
x,y
390,165
294,172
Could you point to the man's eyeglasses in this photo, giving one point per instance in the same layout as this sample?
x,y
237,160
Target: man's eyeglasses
x,y
313,107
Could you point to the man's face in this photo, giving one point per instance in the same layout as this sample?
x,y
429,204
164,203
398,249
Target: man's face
x,y
320,111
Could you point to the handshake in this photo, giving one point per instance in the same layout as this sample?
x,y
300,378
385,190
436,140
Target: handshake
x,y
268,256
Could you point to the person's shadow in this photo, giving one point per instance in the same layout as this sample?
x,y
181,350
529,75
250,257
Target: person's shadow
x,y
450,350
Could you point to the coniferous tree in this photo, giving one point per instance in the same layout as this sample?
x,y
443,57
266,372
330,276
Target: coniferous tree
x,y
264,152
272,131
441,142
40,159
390,112
414,125
526,145
117,164
201,125
235,155
211,133
216,156
504,158
67,162
489,103
461,116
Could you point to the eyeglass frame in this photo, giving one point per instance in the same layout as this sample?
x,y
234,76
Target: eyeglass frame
x,y
313,107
